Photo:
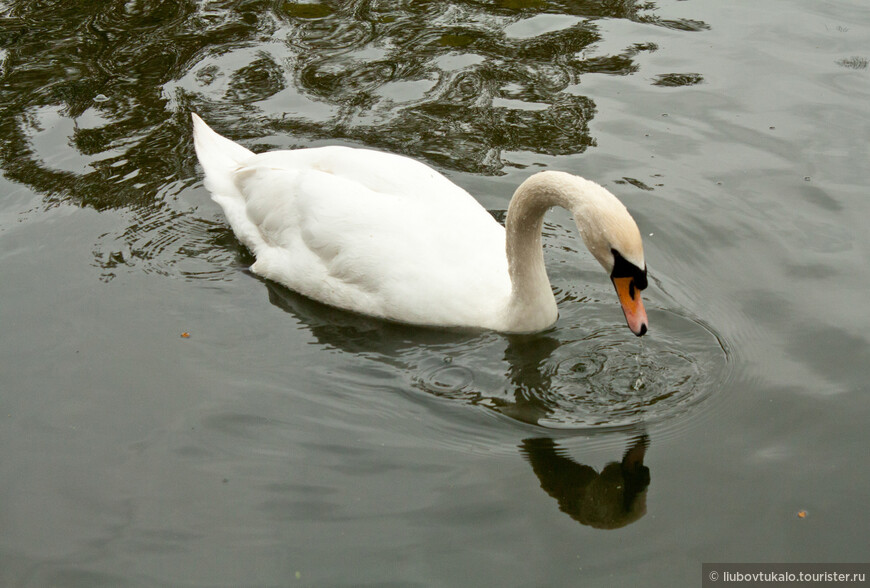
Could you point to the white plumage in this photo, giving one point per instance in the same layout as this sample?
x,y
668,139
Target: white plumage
x,y
380,234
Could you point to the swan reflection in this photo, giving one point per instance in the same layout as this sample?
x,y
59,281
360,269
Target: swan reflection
x,y
609,499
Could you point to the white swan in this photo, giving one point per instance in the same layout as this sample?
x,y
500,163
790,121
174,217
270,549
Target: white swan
x,y
390,237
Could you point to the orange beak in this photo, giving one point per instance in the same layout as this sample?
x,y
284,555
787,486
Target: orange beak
x,y
632,305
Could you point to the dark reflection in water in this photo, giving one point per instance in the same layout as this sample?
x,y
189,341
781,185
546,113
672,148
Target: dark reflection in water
x,y
459,84
335,328
609,499
527,357
673,79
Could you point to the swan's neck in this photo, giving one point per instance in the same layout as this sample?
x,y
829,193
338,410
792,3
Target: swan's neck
x,y
532,306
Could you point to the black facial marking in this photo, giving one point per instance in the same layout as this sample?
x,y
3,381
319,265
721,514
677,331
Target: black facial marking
x,y
626,269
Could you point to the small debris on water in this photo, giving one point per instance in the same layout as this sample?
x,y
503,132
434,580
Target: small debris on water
x,y
185,335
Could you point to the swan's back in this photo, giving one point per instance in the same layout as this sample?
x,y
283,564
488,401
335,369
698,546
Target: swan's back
x,y
363,230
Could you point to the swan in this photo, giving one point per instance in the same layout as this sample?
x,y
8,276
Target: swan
x,y
387,236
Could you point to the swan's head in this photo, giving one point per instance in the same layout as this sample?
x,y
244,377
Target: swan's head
x,y
612,236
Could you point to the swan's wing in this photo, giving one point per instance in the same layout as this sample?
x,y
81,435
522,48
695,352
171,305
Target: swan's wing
x,y
379,172
363,230
341,231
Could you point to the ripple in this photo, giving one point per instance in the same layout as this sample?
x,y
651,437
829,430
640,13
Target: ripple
x,y
608,380
305,11
611,386
578,378
446,380
588,373
169,242
330,34
682,24
257,81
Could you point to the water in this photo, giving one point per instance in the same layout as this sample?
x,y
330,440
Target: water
x,y
285,443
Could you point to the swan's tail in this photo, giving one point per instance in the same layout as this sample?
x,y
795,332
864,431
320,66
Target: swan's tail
x,y
221,159
218,156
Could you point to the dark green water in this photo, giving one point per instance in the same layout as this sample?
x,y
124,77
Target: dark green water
x,y
284,443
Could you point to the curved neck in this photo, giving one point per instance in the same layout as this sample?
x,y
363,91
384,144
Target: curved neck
x,y
532,305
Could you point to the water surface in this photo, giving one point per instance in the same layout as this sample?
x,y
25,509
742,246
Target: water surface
x,y
283,442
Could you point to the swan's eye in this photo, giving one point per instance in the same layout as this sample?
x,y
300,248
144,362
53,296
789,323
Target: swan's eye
x,y
623,268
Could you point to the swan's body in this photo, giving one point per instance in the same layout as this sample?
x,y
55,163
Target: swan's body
x,y
390,237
